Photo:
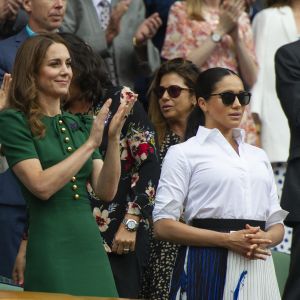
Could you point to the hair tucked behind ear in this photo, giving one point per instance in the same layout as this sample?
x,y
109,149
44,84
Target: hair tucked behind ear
x,y
205,86
23,92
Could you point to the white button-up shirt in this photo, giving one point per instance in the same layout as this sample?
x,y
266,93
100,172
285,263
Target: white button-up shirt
x,y
207,177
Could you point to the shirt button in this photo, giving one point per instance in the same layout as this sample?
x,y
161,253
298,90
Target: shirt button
x,y
73,179
66,139
74,187
63,129
60,122
76,197
69,149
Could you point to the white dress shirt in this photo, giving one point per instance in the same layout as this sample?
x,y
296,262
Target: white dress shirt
x,y
207,177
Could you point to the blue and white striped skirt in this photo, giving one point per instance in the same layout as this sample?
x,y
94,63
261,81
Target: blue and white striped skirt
x,y
207,273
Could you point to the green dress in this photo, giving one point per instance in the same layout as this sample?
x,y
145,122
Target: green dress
x,y
63,252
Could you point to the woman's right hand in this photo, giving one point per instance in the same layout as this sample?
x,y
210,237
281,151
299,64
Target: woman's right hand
x,y
230,11
239,242
99,123
20,262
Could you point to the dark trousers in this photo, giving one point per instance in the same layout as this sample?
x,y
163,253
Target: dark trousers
x,y
292,287
128,269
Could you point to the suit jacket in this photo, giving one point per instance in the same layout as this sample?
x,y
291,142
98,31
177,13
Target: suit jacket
x,y
8,51
81,19
287,66
272,28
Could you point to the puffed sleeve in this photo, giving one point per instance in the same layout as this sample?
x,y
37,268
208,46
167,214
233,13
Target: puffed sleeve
x,y
16,138
173,185
140,137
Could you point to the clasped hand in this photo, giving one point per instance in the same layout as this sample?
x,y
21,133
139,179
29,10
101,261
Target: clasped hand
x,y
251,242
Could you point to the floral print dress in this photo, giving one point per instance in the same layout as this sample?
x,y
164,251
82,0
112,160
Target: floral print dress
x,y
140,172
184,35
163,254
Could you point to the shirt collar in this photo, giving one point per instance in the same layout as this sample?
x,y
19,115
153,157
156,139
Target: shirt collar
x,y
29,31
203,133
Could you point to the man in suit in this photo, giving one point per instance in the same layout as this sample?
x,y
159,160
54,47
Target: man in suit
x,y
44,16
125,43
287,66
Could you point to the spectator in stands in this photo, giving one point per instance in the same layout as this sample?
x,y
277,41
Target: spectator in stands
x,y
272,28
172,98
214,33
223,185
44,16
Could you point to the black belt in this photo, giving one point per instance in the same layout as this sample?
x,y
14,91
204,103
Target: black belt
x,y
226,225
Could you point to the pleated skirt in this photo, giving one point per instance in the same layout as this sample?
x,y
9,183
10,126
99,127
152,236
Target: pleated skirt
x,y
207,273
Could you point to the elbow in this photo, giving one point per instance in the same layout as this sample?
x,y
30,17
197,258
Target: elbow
x,y
158,230
43,193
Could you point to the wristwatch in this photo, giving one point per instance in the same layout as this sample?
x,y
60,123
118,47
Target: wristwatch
x,y
130,224
216,37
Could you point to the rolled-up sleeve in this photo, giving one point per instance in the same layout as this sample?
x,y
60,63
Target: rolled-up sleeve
x,y
173,186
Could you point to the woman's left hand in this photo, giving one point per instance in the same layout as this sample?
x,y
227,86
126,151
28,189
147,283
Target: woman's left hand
x,y
124,241
120,116
4,90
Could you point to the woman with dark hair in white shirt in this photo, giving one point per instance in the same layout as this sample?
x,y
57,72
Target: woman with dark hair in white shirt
x,y
227,191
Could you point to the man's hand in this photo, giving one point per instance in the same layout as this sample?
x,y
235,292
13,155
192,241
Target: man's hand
x,y
117,13
147,29
4,90
4,10
13,6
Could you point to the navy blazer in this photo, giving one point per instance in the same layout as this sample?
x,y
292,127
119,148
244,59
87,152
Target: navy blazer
x,y
8,51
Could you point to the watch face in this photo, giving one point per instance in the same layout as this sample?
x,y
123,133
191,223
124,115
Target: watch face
x,y
131,225
216,37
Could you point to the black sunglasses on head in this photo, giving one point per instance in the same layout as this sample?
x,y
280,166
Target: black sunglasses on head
x,y
174,91
228,98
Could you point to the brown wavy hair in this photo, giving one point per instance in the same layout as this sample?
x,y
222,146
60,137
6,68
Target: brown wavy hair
x,y
185,69
23,90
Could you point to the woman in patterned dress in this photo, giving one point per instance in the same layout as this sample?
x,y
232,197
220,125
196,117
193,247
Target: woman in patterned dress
x,y
214,34
127,248
172,98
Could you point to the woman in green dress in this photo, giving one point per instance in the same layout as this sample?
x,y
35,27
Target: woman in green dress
x,y
53,154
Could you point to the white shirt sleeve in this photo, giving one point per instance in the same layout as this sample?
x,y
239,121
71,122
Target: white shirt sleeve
x,y
275,213
173,185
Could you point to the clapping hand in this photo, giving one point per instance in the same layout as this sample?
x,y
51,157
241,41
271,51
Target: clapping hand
x,y
230,11
148,29
4,90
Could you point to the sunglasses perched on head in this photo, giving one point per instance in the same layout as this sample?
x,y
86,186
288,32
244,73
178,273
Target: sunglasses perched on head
x,y
174,91
228,98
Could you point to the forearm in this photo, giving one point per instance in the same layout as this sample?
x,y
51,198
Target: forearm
x,y
44,183
108,180
180,233
199,55
275,234
246,62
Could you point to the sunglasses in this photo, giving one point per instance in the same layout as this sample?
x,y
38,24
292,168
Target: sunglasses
x,y
228,98
174,91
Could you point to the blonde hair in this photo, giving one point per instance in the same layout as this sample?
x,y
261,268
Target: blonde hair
x,y
23,92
